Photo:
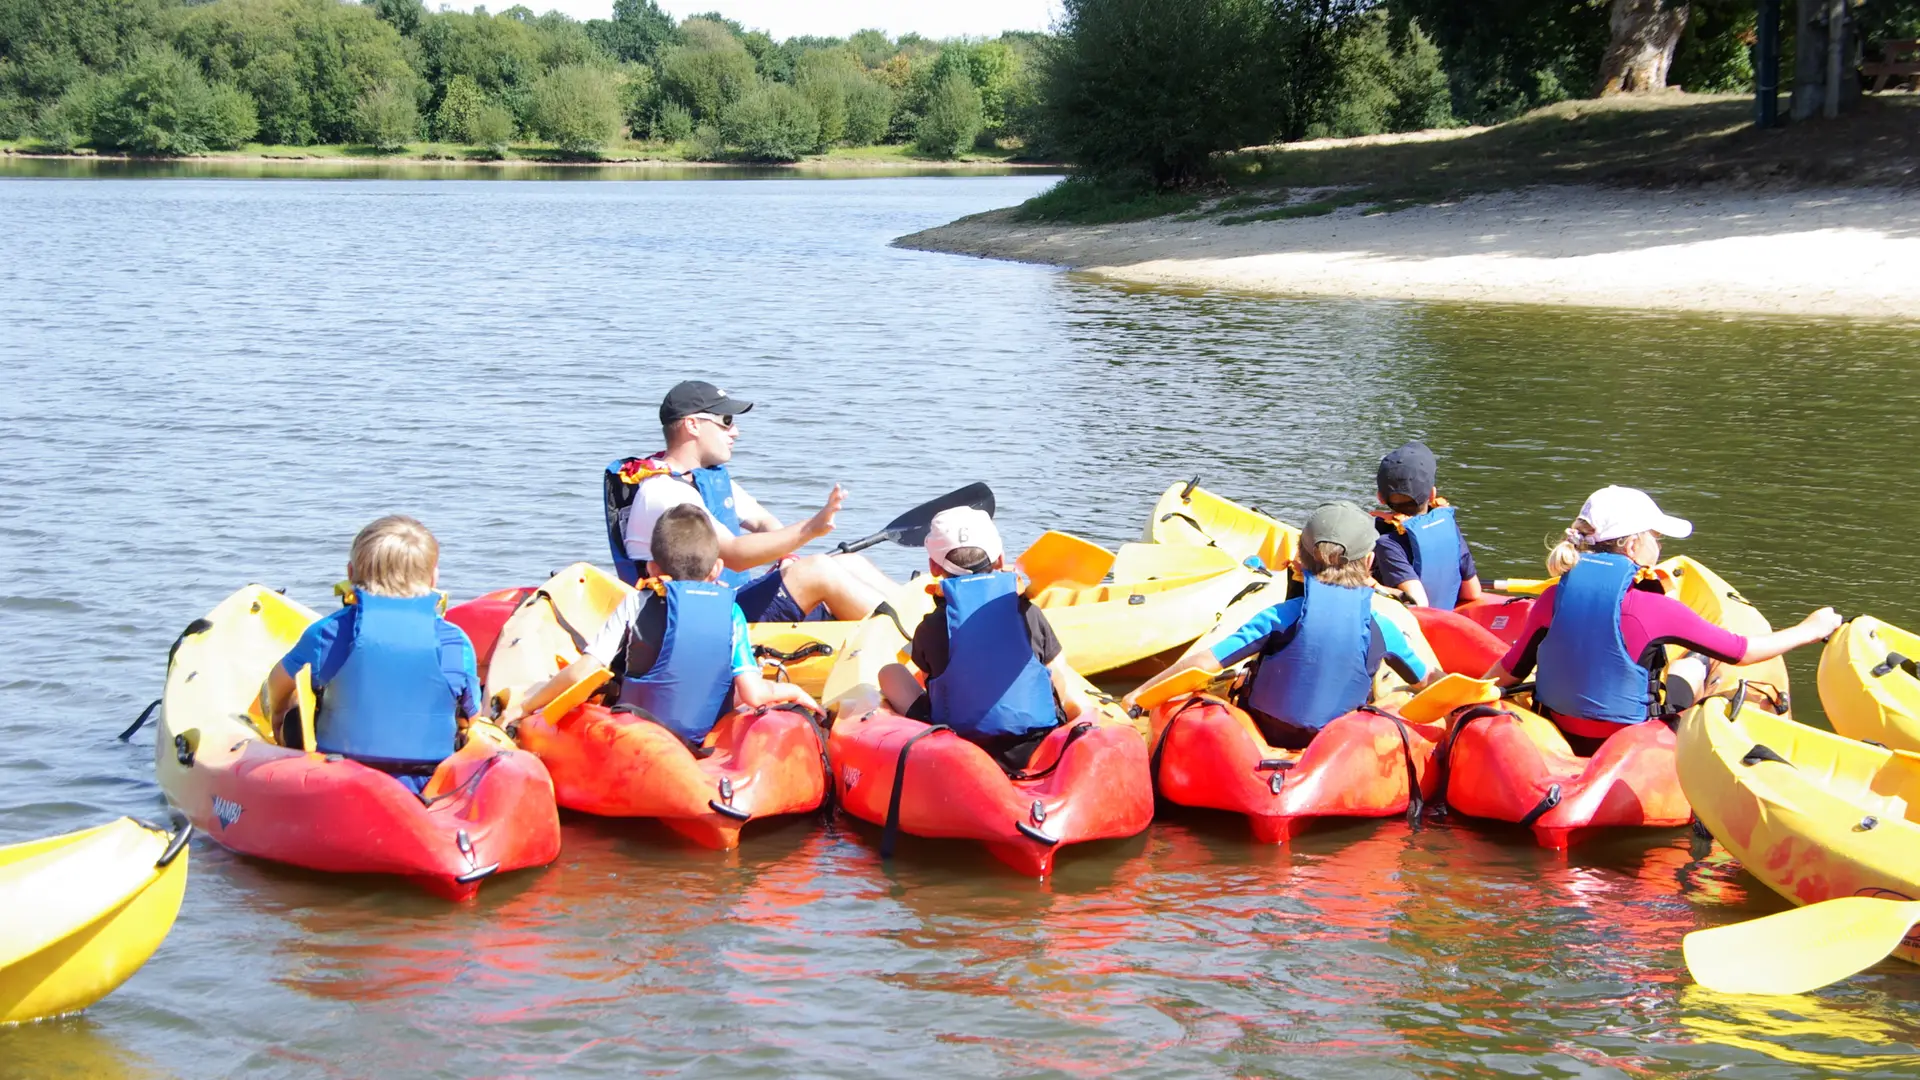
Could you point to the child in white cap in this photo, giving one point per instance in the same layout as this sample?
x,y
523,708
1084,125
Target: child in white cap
x,y
993,669
1595,641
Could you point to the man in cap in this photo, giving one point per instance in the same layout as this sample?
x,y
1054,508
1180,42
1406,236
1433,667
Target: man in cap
x,y
1319,650
1422,551
701,423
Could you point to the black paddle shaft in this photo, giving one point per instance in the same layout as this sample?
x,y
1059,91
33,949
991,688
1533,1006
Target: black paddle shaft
x,y
910,528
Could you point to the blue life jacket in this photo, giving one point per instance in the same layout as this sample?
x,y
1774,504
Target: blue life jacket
x,y
1436,554
993,684
1582,668
1323,667
691,679
714,484
390,702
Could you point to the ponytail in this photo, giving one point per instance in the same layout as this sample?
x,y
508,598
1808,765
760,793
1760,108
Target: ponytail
x,y
1577,541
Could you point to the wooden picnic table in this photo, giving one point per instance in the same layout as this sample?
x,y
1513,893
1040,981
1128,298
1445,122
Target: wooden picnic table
x,y
1899,62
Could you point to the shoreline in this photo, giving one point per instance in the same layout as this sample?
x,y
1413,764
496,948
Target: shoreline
x,y
850,163
1849,252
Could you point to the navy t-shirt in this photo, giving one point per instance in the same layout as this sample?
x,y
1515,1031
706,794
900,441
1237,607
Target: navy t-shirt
x,y
1393,558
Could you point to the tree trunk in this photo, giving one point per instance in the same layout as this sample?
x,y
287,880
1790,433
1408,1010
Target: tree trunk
x,y
1645,33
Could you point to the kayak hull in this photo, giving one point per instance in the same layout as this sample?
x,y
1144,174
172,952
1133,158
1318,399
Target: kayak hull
x,y
759,765
1210,754
482,617
1834,822
84,912
1505,763
1095,788
1867,692
487,809
1462,645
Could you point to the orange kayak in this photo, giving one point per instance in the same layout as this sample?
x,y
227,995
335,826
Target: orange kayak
x,y
1505,763
1463,645
482,617
1209,753
1089,782
1503,616
753,765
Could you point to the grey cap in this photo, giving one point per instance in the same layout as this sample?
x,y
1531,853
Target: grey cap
x,y
1340,523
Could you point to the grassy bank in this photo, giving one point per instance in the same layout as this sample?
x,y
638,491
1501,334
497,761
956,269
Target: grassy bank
x,y
638,154
1659,140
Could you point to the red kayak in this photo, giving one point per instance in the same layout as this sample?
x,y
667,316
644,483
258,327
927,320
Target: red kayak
x,y
1088,781
1462,644
1209,753
1502,616
1505,763
482,618
753,765
487,809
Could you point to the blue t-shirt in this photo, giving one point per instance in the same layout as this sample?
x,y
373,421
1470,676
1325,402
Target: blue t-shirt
x,y
1281,617
1393,559
324,647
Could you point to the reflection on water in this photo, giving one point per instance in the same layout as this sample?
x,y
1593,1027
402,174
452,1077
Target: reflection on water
x,y
220,381
86,168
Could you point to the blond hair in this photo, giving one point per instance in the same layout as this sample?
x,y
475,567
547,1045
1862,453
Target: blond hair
x,y
1578,540
395,556
1327,562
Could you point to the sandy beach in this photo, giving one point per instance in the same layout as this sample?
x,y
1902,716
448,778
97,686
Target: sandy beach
x,y
1843,252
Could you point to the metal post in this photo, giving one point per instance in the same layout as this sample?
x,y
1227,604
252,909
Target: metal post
x,y
1836,48
1766,88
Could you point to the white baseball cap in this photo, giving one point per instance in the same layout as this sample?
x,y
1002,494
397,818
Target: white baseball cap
x,y
1615,512
962,526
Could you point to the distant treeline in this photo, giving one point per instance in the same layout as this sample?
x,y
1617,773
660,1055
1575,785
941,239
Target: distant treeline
x,y
184,77
1140,89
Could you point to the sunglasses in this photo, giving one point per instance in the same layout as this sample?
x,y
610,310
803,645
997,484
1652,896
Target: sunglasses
x,y
723,421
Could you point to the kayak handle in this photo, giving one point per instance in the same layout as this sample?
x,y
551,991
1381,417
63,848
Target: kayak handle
x,y
805,652
1186,493
182,832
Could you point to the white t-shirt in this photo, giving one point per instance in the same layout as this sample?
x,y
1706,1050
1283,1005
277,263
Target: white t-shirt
x,y
658,494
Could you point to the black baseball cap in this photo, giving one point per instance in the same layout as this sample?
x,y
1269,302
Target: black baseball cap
x,y
1408,471
694,396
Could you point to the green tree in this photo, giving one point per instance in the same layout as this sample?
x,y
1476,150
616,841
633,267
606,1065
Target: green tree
x,y
1504,57
459,109
708,72
872,47
47,46
869,110
774,122
577,108
161,105
637,33
403,15
952,120
386,117
492,128
1384,84
673,123
1153,88
824,76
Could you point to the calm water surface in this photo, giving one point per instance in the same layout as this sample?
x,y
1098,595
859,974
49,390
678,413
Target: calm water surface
x,y
211,382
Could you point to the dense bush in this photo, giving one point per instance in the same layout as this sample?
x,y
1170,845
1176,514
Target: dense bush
x,y
161,105
869,109
387,118
673,123
709,72
49,46
952,120
1156,87
772,123
577,108
459,110
1383,84
492,128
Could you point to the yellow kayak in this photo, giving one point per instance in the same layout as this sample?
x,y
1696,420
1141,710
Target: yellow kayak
x,y
1188,516
1812,814
1867,683
555,622
84,911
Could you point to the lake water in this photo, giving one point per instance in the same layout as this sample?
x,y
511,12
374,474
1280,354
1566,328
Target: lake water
x,y
217,381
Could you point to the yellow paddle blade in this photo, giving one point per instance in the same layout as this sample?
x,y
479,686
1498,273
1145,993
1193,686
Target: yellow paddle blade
x,y
577,682
1190,681
1523,586
1799,950
1058,559
1450,693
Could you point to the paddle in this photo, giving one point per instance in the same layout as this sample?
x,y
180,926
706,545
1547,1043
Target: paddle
x,y
1059,558
910,528
1799,950
1450,693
